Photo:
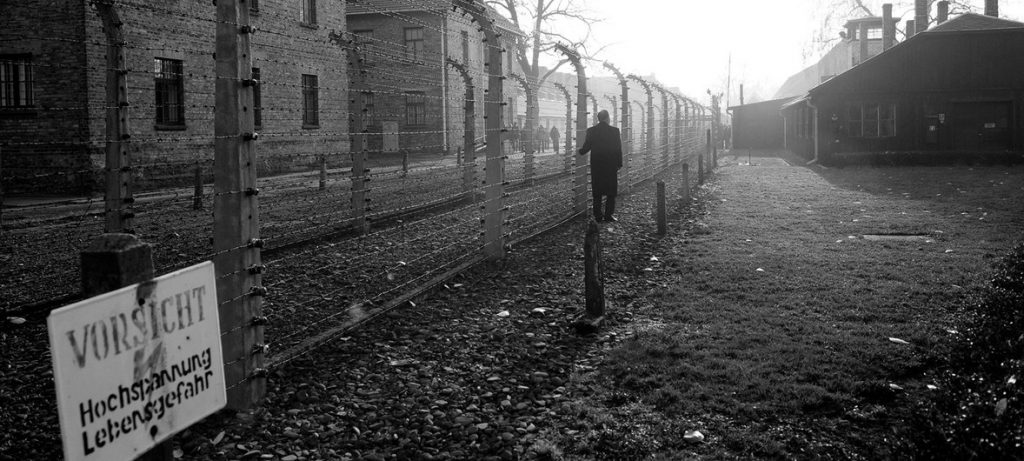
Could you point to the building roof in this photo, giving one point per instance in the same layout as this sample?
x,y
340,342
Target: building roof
x,y
973,21
410,6
966,23
773,102
394,6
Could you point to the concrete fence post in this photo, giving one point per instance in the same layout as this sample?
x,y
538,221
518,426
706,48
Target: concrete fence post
x,y
236,239
494,189
119,215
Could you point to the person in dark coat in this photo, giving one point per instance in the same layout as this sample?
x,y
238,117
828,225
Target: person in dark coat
x,y
554,138
605,145
542,138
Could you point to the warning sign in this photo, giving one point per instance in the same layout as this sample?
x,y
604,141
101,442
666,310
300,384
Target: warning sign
x,y
136,365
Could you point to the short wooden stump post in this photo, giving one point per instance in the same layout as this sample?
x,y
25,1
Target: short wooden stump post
x,y
591,320
115,261
686,184
662,212
700,169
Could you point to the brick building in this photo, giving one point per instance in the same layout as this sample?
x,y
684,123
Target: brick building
x,y
417,101
53,89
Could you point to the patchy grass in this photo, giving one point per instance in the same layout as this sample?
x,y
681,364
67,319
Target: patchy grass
x,y
769,328
978,408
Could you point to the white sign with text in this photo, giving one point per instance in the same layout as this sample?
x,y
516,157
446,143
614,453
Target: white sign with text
x,y
136,365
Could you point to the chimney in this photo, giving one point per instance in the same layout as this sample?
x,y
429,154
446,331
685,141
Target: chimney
x,y
862,35
920,16
992,8
888,27
943,12
909,31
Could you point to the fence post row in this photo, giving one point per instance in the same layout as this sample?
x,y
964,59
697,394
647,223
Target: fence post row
x,y
469,130
494,190
531,102
627,130
582,164
118,172
236,212
649,126
664,125
569,155
359,142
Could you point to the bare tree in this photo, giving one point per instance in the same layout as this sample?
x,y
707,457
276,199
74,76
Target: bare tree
x,y
537,19
832,14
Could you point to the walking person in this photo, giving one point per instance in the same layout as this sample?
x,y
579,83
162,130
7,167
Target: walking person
x,y
554,138
605,145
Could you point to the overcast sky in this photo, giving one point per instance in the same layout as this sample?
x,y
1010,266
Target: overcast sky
x,y
687,43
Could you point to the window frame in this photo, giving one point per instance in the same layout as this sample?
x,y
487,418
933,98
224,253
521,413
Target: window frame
x,y
19,93
310,101
307,12
866,120
415,109
414,47
364,42
169,114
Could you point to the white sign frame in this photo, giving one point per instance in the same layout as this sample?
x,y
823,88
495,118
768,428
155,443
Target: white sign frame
x,y
134,366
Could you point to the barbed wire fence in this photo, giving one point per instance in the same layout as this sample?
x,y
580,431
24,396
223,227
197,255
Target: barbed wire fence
x,y
319,210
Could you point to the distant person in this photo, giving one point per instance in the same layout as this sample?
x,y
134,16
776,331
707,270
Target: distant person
x,y
605,145
554,138
542,138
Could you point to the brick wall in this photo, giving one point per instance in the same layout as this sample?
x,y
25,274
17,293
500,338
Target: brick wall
x,y
71,89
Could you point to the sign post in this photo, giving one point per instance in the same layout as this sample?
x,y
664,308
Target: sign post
x,y
136,365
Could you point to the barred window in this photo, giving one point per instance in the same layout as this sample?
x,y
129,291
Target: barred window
x,y
415,108
310,101
370,107
365,44
307,11
16,82
414,43
169,82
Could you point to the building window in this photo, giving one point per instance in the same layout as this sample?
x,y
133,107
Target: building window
x,y
257,99
854,121
871,120
414,43
254,6
170,92
16,82
887,120
364,43
307,11
465,47
369,109
415,108
875,33
310,101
